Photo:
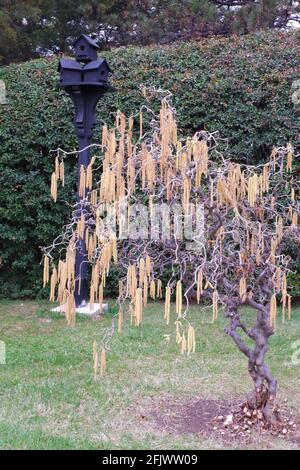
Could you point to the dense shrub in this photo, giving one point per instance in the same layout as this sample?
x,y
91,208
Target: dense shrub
x,y
239,86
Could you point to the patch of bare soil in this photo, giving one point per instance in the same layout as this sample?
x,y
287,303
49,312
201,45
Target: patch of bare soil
x,y
23,309
228,421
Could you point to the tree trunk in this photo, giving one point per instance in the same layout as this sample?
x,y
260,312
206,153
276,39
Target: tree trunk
x,y
263,397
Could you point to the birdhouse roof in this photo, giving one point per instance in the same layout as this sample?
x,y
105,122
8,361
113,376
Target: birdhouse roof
x,y
69,64
88,39
95,64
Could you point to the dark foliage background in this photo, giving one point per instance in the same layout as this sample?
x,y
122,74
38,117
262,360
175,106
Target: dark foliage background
x,y
30,28
241,86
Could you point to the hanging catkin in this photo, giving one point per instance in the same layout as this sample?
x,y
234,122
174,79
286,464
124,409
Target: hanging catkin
x,y
179,298
273,311
199,285
96,360
253,189
70,309
104,136
167,305
191,343
53,282
178,335
278,278
61,173
89,176
243,289
46,271
152,289
82,181
148,265
294,219
54,187
57,168
138,311
100,296
94,349
293,194
92,296
289,158
120,321
183,344
145,283
215,305
102,362
159,289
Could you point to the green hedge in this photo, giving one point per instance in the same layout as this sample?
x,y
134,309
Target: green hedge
x,y
240,86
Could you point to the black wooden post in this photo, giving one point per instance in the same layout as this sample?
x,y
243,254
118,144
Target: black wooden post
x,y
85,81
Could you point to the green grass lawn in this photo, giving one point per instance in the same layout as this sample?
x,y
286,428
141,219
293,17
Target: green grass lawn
x,y
49,400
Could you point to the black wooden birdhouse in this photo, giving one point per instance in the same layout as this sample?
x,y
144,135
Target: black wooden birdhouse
x,y
96,72
70,72
85,49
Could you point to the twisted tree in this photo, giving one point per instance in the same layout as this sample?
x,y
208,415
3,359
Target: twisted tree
x,y
177,205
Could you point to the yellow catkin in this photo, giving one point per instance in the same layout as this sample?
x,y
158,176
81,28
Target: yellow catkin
x,y
179,298
82,181
57,168
120,321
294,219
100,296
89,176
121,289
243,289
148,265
138,311
94,197
273,200
159,289
92,296
46,271
289,158
70,309
178,335
53,282
102,362
145,289
115,250
273,311
211,192
253,189
191,343
104,136
62,173
81,226
54,187
96,363
94,349
199,285
293,195
152,290
278,278
183,346
283,301
167,305
215,305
